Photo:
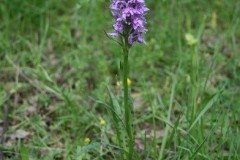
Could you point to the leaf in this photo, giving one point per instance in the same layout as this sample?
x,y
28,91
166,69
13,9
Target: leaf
x,y
24,152
46,75
85,149
165,136
205,109
115,105
116,111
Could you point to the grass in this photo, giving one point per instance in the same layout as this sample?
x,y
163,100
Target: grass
x,y
56,65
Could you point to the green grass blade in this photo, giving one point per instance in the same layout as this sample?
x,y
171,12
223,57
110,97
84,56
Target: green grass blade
x,y
205,109
161,155
24,152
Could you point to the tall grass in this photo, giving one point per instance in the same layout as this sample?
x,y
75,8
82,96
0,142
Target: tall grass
x,y
58,74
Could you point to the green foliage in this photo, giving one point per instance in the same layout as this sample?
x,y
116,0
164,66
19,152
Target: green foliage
x,y
56,65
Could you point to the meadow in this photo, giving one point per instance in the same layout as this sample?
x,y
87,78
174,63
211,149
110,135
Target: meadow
x,y
59,70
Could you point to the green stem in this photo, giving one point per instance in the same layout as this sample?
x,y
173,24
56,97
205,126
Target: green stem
x,y
195,75
127,107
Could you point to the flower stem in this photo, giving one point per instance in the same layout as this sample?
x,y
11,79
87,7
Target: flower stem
x,y
128,115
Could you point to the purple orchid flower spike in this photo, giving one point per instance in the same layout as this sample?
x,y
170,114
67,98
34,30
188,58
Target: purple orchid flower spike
x,y
129,20
129,27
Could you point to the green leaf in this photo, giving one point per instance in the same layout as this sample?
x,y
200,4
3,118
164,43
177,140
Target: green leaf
x,y
24,152
205,109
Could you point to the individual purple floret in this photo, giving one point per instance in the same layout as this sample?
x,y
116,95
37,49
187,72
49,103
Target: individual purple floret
x,y
129,19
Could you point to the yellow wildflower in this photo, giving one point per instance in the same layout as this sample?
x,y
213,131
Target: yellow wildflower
x,y
129,82
87,140
191,40
118,83
102,122
214,20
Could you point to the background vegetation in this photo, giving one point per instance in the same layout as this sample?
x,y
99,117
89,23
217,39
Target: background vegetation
x,y
56,64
